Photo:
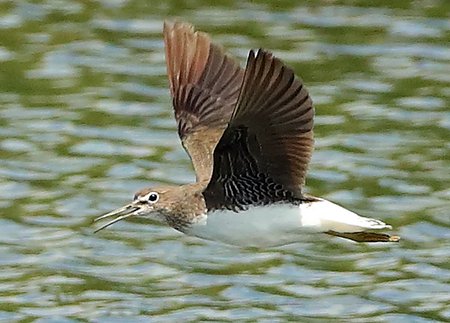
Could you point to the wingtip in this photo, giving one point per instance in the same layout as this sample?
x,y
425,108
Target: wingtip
x,y
170,25
261,52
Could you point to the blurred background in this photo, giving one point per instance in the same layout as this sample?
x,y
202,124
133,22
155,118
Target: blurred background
x,y
86,120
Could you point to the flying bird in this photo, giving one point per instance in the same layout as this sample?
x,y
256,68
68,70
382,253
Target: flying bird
x,y
249,134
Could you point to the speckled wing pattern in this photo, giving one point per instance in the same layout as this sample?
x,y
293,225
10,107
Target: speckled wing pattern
x,y
263,155
204,84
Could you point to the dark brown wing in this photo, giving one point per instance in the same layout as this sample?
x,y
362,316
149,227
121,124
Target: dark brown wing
x,y
263,155
204,83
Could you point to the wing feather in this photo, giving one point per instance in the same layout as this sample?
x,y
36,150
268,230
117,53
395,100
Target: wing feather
x,y
263,155
204,84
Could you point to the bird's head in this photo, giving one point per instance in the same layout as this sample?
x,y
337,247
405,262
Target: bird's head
x,y
151,203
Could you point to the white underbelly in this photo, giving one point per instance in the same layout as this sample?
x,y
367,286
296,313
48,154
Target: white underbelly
x,y
279,224
258,226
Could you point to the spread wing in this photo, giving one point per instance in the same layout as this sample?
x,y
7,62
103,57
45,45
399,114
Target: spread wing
x,y
204,84
263,155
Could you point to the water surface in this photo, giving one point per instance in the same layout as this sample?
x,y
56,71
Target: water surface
x,y
85,121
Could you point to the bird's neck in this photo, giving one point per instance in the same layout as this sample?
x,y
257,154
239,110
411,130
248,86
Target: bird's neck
x,y
187,204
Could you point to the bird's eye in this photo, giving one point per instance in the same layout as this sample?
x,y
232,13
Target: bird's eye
x,y
153,197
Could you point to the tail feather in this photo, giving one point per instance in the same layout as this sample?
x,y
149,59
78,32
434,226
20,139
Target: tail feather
x,y
365,236
325,216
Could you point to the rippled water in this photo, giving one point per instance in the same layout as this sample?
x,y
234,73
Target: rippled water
x,y
85,121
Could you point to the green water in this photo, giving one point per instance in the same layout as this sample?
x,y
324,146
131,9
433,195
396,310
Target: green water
x,y
85,121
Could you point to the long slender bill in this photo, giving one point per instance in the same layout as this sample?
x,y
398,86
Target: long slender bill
x,y
120,214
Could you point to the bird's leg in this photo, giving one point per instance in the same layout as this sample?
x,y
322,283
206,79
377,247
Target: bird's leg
x,y
365,236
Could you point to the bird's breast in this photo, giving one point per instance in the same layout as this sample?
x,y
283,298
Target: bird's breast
x,y
258,226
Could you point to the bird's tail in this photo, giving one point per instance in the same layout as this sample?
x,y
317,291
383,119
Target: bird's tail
x,y
324,216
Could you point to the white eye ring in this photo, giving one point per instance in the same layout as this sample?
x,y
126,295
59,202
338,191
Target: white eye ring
x,y
152,197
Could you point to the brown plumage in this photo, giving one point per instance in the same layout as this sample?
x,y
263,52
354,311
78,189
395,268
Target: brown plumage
x,y
204,84
263,154
365,236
